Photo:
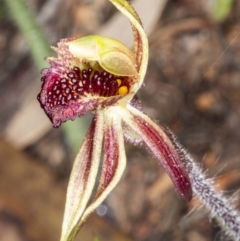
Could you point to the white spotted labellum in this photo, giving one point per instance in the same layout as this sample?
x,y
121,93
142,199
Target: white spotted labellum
x,y
102,75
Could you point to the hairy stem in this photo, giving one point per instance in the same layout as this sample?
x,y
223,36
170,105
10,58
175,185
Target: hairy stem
x,y
219,206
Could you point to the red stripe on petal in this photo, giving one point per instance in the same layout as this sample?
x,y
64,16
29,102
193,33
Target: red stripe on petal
x,y
82,179
111,156
159,144
114,161
81,168
86,165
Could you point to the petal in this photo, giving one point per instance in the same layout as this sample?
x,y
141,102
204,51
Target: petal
x,y
114,159
140,39
82,179
157,141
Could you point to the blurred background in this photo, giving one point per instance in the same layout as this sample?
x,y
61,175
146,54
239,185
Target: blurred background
x,y
192,86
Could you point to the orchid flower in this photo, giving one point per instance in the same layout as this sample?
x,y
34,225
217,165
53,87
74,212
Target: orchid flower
x,y
102,75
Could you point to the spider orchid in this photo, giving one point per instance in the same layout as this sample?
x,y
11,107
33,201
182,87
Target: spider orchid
x,y
103,75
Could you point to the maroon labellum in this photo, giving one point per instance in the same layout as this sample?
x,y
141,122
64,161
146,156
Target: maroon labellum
x,y
70,92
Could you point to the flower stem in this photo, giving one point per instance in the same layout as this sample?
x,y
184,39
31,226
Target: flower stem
x,y
219,206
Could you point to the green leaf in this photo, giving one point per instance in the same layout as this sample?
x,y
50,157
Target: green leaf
x,y
221,9
27,23
96,238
